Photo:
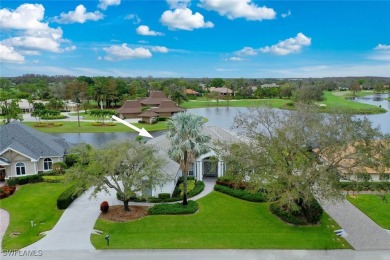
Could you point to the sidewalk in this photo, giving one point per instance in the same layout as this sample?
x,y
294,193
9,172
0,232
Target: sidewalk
x,y
4,222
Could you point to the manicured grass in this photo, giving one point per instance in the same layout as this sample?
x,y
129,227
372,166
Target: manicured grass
x,y
374,207
87,116
348,93
202,102
221,222
338,102
87,127
35,202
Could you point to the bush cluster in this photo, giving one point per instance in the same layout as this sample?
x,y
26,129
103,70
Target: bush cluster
x,y
104,207
309,214
241,194
164,196
58,167
66,197
161,118
71,159
24,180
231,184
365,186
199,187
54,117
174,209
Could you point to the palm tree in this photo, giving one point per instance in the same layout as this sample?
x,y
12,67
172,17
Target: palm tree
x,y
187,142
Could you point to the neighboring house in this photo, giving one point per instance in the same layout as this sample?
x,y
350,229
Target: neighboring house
x,y
167,108
223,91
130,109
160,104
155,98
24,105
149,117
191,92
272,85
25,151
205,165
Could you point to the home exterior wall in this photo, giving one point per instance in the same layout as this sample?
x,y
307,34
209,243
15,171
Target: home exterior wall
x,y
128,115
40,162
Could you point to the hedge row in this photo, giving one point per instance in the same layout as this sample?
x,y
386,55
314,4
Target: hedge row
x,y
241,194
24,180
174,209
365,186
199,187
66,197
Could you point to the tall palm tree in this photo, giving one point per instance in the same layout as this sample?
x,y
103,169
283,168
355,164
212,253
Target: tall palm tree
x,y
187,142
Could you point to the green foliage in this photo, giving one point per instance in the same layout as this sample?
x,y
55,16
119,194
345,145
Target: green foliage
x,y
24,180
241,194
365,186
174,209
199,187
71,159
286,216
161,118
164,196
67,197
59,167
310,213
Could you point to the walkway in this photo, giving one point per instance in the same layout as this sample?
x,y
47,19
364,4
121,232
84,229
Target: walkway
x,y
362,232
73,230
4,222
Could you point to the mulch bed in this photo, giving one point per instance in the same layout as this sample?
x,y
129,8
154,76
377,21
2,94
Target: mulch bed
x,y
116,213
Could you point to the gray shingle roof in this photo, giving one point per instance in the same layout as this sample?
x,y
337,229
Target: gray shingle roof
x,y
30,142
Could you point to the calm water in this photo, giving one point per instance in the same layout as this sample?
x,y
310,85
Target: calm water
x,y
223,117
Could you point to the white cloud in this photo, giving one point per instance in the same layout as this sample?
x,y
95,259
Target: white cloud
x,y
235,59
122,52
103,4
8,54
246,51
239,9
178,3
79,15
284,15
160,49
183,19
145,30
35,35
291,45
135,18
382,47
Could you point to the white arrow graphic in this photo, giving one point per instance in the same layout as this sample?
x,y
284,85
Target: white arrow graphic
x,y
142,132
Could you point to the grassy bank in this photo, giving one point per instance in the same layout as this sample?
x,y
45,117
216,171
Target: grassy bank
x,y
222,222
31,202
374,207
87,127
340,103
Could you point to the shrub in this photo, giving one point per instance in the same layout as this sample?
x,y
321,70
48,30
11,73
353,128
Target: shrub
x,y
54,117
199,187
104,207
309,214
241,194
24,180
66,197
365,186
174,209
164,195
71,159
161,118
58,167
141,121
230,183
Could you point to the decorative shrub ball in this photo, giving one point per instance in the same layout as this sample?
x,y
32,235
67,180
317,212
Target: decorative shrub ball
x,y
104,207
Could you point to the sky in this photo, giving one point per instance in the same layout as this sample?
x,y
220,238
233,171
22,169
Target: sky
x,y
195,38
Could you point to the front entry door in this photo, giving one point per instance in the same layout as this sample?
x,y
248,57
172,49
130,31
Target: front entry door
x,y
2,174
210,168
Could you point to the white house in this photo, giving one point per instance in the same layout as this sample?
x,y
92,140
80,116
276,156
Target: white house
x,y
25,151
205,165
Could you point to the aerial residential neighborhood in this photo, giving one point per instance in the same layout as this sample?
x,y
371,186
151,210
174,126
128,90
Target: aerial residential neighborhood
x,y
196,129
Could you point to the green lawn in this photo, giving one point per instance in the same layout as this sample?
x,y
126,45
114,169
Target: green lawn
x,y
374,207
203,102
87,127
339,102
37,202
222,222
349,93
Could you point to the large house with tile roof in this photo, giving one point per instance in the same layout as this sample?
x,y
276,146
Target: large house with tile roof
x,y
25,151
205,165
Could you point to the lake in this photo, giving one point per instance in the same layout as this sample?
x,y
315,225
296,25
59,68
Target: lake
x,y
223,117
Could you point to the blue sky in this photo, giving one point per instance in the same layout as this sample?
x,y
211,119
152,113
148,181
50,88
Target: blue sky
x,y
195,38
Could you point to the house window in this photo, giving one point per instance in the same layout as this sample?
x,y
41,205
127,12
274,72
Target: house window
x,y
191,169
20,169
47,164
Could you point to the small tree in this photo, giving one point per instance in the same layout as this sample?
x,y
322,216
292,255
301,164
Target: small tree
x,y
10,110
127,167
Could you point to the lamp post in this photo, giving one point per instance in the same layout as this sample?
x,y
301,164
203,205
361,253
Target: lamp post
x,y
107,238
